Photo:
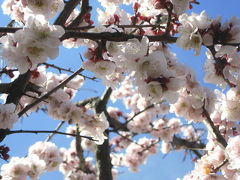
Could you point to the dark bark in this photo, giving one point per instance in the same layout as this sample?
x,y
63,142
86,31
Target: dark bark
x,y
104,165
85,8
68,9
17,88
115,36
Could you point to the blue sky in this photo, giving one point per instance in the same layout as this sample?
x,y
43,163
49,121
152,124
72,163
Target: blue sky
x,y
158,167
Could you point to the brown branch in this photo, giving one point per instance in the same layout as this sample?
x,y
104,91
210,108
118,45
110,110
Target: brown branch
x,y
115,124
14,29
18,87
115,36
62,84
220,166
85,8
100,104
66,70
57,129
194,146
87,101
43,131
151,145
104,165
9,29
68,9
82,163
4,87
179,142
103,160
136,114
60,69
220,61
213,130
169,10
118,25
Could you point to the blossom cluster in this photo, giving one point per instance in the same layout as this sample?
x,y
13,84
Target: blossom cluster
x,y
32,45
148,79
61,107
8,116
42,156
21,10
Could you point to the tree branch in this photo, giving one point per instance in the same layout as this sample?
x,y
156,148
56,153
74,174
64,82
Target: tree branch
x,y
62,84
85,8
68,9
8,132
4,87
191,145
115,36
169,10
100,104
66,70
82,164
18,87
104,166
116,125
213,130
57,129
220,166
136,114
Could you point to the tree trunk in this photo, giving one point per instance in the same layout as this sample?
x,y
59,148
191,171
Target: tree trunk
x,y
104,166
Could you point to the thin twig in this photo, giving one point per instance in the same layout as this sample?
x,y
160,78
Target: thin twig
x,y
136,114
66,70
118,25
68,9
57,129
43,131
82,163
221,61
220,166
62,84
212,129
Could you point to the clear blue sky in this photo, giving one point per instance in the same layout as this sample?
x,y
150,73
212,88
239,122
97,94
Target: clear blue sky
x,y
157,167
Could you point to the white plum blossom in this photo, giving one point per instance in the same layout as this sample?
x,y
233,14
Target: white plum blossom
x,y
231,105
212,73
21,10
165,129
20,168
13,8
71,161
100,68
190,106
142,73
8,116
37,166
190,36
16,169
136,155
43,7
113,15
127,53
180,6
94,126
233,152
26,52
48,152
